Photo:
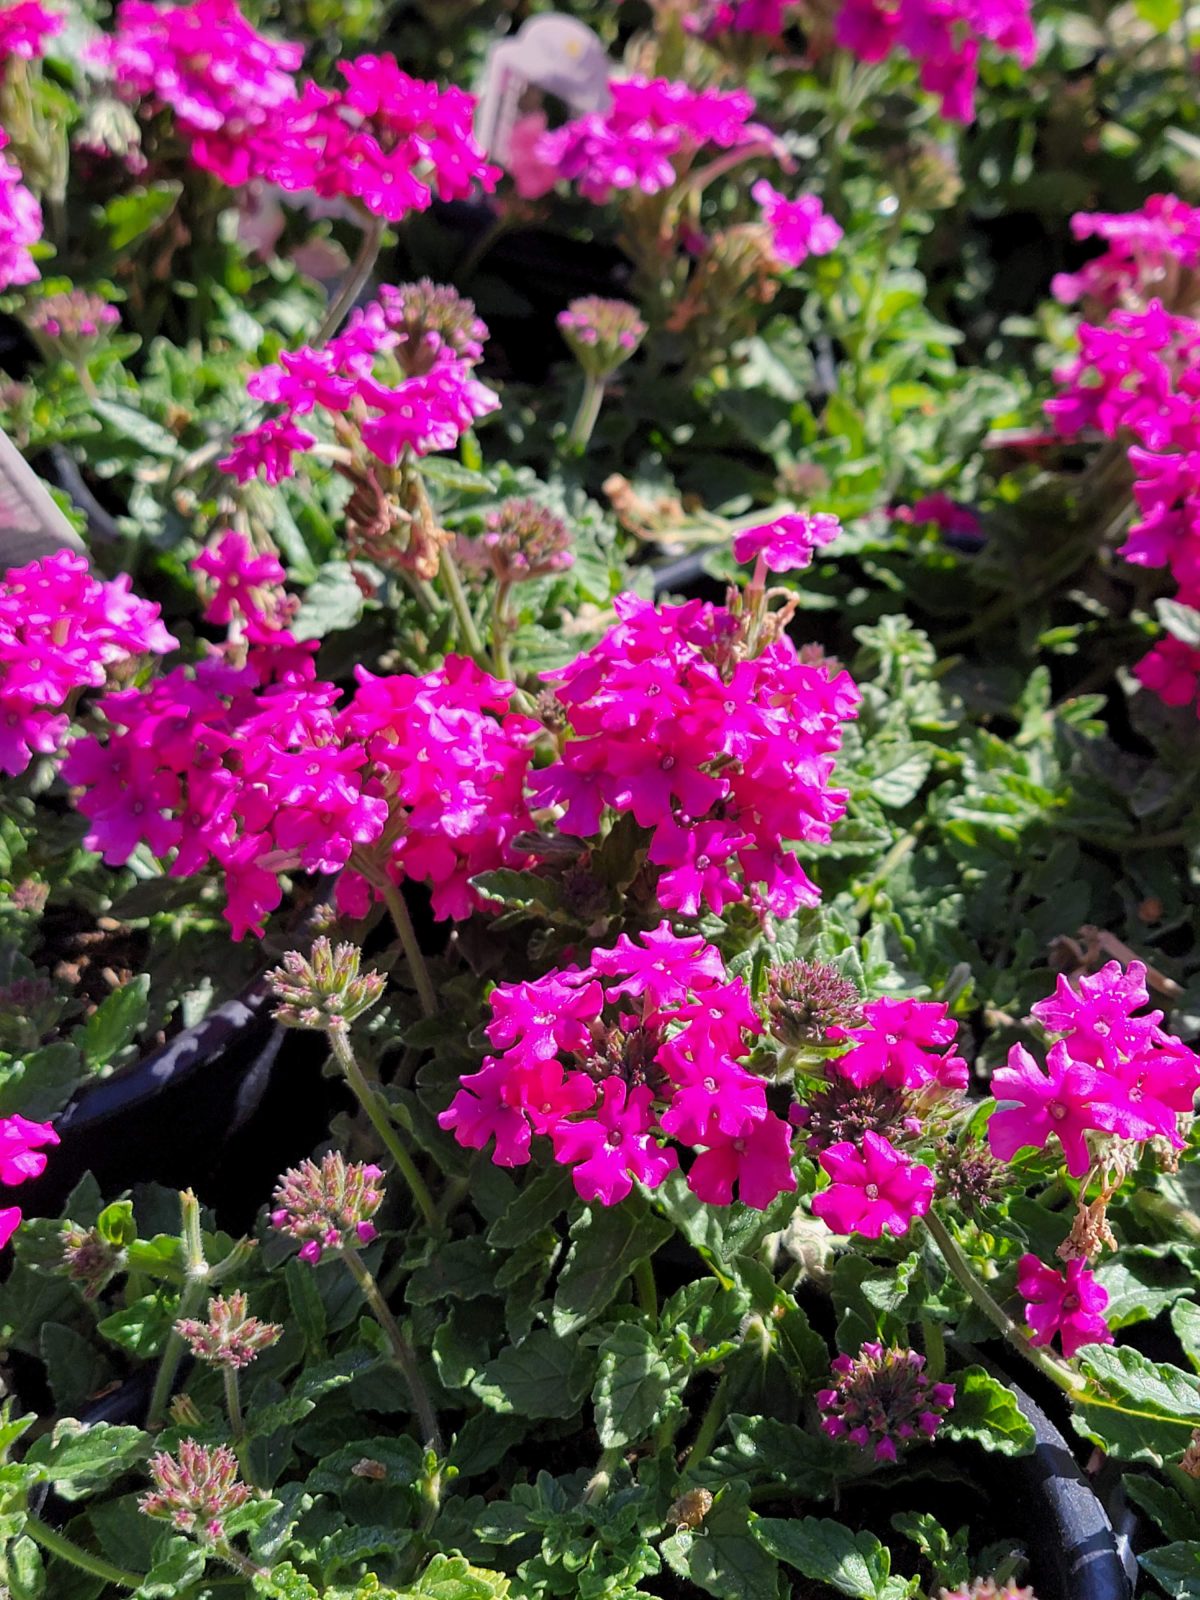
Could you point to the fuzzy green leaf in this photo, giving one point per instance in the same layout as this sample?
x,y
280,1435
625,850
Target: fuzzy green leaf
x,y
1137,1410
987,1412
607,1242
634,1386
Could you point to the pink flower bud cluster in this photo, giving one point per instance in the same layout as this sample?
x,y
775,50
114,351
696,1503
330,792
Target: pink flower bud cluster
x,y
943,37
1108,1073
898,1072
251,766
61,631
1146,252
21,1157
387,140
195,1489
724,759
883,1398
25,28
20,225
327,1205
799,228
363,379
611,1060
647,138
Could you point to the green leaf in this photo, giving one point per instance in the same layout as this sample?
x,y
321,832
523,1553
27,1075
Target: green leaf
x,y
134,213
633,1387
828,1552
987,1412
178,1563
1138,1410
537,1205
546,1375
1175,1518
141,1327
333,602
607,1242
763,1448
142,431
78,1459
116,1225
521,889
24,1570
724,1557
75,1368
1185,1319
1177,1568
283,1582
115,1022
454,1578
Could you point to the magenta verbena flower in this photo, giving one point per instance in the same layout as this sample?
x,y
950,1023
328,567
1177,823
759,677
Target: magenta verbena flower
x,y
245,584
195,1489
881,1399
1069,1304
1110,1073
943,37
1145,251
723,759
873,1188
61,630
21,1157
20,225
799,228
24,29
787,544
327,1205
610,1061
907,1044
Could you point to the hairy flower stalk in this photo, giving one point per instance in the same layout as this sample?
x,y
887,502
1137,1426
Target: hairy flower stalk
x,y
330,1206
326,991
602,335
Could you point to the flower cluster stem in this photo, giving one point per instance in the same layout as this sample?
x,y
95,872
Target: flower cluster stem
x,y
359,271
407,934
1059,1374
598,1483
647,1291
57,1544
368,1097
402,1352
197,1281
587,415
468,633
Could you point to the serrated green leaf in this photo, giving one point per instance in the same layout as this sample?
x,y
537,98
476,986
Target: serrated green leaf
x,y
633,1386
828,1552
1185,1319
987,1412
178,1563
1177,1568
723,1557
133,425
114,1023
607,1243
1137,1410
78,1459
546,1375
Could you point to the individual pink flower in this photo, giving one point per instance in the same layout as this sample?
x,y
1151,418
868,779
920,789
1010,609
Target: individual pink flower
x,y
1032,1105
663,965
1069,1303
21,1155
872,1189
788,543
1171,670
246,585
610,1149
1095,1012
758,1160
799,228
906,1044
950,516
20,225
268,450
24,29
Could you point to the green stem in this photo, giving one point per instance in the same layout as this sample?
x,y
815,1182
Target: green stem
x,y
710,1423
904,845
402,1351
195,1287
501,628
224,1551
934,1341
587,415
233,1404
402,922
468,633
369,1099
647,1291
360,271
961,1268
599,1481
67,1550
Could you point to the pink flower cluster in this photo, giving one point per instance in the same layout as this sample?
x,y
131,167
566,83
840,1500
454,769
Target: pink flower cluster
x,y
21,1157
24,28
245,761
647,138
1069,1303
943,37
1109,1072
245,587
376,399
883,1398
61,631
610,1060
1135,380
724,759
223,82
387,140
715,17
1147,250
898,1070
799,228
20,225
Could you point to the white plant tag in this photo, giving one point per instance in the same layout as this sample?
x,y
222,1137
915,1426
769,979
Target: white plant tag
x,y
555,54
31,525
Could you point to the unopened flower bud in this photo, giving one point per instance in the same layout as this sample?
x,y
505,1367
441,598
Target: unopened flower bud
x,y
72,323
522,540
325,989
430,318
602,334
88,1258
230,1337
195,1489
881,1398
806,997
327,1205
